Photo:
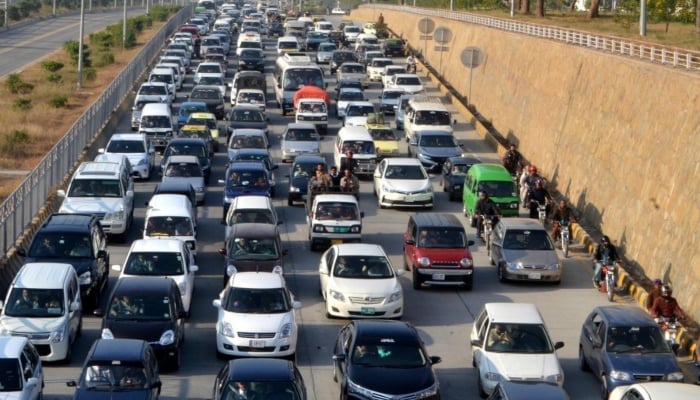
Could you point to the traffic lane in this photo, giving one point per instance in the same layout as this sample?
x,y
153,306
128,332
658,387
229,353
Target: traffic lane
x,y
26,44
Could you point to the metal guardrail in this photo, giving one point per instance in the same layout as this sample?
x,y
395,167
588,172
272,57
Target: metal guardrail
x,y
654,53
20,207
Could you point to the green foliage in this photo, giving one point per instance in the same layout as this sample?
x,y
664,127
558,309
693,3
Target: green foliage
x,y
160,13
58,101
27,7
627,13
51,66
102,40
72,48
22,104
16,85
13,13
90,74
104,59
54,77
15,142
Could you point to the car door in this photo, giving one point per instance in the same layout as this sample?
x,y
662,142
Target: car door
x,y
409,239
378,176
446,171
32,368
497,237
220,382
74,316
598,351
188,259
478,336
151,367
99,244
342,346
325,269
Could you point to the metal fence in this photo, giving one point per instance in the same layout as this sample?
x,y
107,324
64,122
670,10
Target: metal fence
x,y
654,53
18,210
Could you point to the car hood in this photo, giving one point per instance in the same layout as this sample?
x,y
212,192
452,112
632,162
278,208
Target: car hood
x,y
302,147
247,125
81,265
90,205
531,257
150,97
84,394
393,381
356,121
643,363
252,190
258,322
386,146
408,185
523,366
365,287
150,331
197,182
34,325
136,158
410,88
256,265
442,255
440,151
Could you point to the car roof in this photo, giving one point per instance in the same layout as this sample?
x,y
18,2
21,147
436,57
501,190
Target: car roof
x,y
360,103
260,369
253,230
252,202
127,136
187,141
157,245
668,390
339,198
203,115
619,315
12,346
182,159
68,223
300,125
521,223
402,161
406,76
441,220
350,89
435,132
245,107
515,313
175,185
395,329
143,285
464,160
491,171
257,280
42,275
116,349
246,166
533,390
360,249
398,90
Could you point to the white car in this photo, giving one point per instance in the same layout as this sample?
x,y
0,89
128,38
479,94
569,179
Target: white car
x,y
391,70
358,280
136,148
162,257
345,96
402,182
656,391
207,68
356,113
23,371
410,83
509,341
324,55
256,316
214,80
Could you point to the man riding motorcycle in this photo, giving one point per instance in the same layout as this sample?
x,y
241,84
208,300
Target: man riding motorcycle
x,y
410,63
513,160
562,213
485,207
666,306
539,195
604,252
527,183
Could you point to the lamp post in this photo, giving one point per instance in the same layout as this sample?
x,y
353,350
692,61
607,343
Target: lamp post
x,y
53,11
643,18
80,44
124,28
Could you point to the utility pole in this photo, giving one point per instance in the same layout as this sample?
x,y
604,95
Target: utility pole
x,y
124,28
80,44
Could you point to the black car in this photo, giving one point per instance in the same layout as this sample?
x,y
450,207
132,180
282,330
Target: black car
x,y
454,170
394,47
246,116
259,378
59,235
303,169
118,369
347,83
148,308
263,156
340,57
251,59
383,359
211,96
190,147
313,39
275,29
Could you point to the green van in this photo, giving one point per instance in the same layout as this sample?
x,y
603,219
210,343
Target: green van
x,y
495,180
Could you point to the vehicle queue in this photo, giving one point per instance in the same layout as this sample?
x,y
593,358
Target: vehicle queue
x,y
256,310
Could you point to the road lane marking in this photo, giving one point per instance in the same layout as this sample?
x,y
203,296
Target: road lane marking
x,y
36,38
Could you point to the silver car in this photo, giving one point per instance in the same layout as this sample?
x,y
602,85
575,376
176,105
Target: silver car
x,y
299,138
186,169
325,53
522,250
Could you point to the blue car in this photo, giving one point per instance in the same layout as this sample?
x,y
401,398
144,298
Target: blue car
x,y
622,345
245,178
188,108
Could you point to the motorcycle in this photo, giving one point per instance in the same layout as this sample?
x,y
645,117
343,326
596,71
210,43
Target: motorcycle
x,y
564,235
488,228
541,211
411,68
670,328
609,272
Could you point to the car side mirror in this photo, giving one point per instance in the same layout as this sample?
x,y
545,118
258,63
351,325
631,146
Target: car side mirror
x,y
222,251
435,360
74,306
102,254
558,345
296,305
597,343
470,243
194,268
339,357
476,342
410,242
71,383
98,312
216,303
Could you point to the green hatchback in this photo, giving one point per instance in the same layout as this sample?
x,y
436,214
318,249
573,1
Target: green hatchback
x,y
495,180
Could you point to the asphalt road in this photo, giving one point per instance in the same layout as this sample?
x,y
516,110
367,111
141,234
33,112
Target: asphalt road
x,y
444,316
33,41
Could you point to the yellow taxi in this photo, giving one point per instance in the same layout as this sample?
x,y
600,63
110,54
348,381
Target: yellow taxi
x,y
386,142
209,120
198,132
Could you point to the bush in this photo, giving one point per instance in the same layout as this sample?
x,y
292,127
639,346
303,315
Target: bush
x,y
160,13
16,85
102,40
51,66
104,59
22,104
58,101
72,48
15,142
54,77
90,74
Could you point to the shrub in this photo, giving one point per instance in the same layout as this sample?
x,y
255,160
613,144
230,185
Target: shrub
x,y
58,101
72,48
15,142
16,85
22,104
102,40
54,77
160,13
51,66
104,59
90,74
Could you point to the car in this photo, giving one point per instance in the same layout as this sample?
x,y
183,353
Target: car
x,y
147,308
522,250
433,147
357,280
454,170
246,138
22,370
393,47
389,100
497,182
325,53
623,345
216,58
346,95
184,146
252,246
402,182
375,68
186,169
369,29
509,341
383,359
124,366
275,29
656,391
187,108
246,80
391,70
352,71
244,178
271,378
348,83
176,187
356,113
314,39
136,148
302,169
252,208
299,139
214,80
339,57
207,68
247,117
208,119
211,96
256,316
386,141
251,59
208,43
255,97
262,156
54,242
350,33
370,53
410,83
514,390
165,257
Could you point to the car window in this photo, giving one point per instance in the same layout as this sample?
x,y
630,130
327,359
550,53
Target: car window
x,y
527,239
35,303
259,216
95,188
126,146
55,245
437,237
253,249
257,301
362,267
10,375
140,307
260,390
185,170
405,172
626,339
126,376
518,338
388,352
481,323
154,263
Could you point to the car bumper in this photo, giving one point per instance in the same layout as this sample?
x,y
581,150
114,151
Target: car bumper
x,y
445,276
347,309
335,238
375,76
113,227
407,200
255,347
144,171
51,351
532,275
164,353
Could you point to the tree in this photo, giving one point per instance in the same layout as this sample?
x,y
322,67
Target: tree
x,y
594,12
697,17
539,8
525,6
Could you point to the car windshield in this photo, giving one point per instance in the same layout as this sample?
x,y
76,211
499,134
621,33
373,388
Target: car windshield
x,y
358,146
352,29
165,78
95,188
140,307
210,122
115,376
460,169
54,245
312,107
343,56
352,69
362,267
350,95
393,71
250,45
248,142
126,146
359,111
326,47
241,249
157,263
432,118
185,150
383,134
406,172
206,94
257,301
150,90
156,121
443,141
211,80
196,133
388,353
498,188
260,390
288,44
10,375
381,63
518,338
526,239
251,98
296,77
408,80
211,42
251,53
436,237
183,170
633,339
254,215
247,116
35,303
301,135
391,94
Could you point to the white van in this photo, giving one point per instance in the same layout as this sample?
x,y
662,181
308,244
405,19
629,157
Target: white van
x,y
287,43
157,124
164,75
43,304
180,200
357,140
173,221
313,111
250,208
334,218
423,112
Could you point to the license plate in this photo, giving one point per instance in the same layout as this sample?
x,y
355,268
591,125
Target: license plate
x,y
340,229
438,277
535,275
367,310
408,199
257,343
336,241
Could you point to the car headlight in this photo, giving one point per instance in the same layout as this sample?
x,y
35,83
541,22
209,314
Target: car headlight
x,y
396,296
555,378
167,338
226,329
388,189
493,376
324,118
675,377
554,266
57,336
85,278
117,215
355,228
465,262
424,157
107,334
293,189
300,117
144,161
511,265
620,375
286,330
513,205
319,228
427,393
424,261
168,133
357,389
337,295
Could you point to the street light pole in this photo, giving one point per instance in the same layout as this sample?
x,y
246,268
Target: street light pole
x,y
124,28
80,44
53,12
643,18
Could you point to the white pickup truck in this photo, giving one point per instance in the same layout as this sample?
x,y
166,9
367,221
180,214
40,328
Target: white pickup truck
x,y
334,218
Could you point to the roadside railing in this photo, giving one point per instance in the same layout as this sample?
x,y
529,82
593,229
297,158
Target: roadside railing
x,y
654,53
22,205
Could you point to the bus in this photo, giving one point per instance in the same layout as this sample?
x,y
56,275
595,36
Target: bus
x,y
292,71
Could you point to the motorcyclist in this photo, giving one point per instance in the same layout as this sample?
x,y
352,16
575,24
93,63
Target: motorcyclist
x,y
666,305
410,63
654,294
513,160
562,213
485,207
527,183
539,195
605,251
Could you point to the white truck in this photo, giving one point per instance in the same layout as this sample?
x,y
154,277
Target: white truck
x,y
313,111
334,219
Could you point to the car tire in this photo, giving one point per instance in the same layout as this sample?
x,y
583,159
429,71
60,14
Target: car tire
x,y
469,282
290,202
501,274
582,364
479,385
604,393
417,282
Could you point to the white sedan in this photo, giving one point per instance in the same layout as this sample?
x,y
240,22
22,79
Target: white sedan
x,y
357,280
402,182
656,391
409,83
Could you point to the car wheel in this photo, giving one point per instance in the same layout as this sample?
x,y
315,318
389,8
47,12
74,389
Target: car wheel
x,y
604,387
417,283
479,385
582,364
501,274
469,282
290,202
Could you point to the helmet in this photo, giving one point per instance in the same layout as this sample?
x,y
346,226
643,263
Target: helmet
x,y
532,168
605,239
666,290
657,282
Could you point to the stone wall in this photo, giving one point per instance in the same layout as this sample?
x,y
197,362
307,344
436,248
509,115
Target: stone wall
x,y
618,137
